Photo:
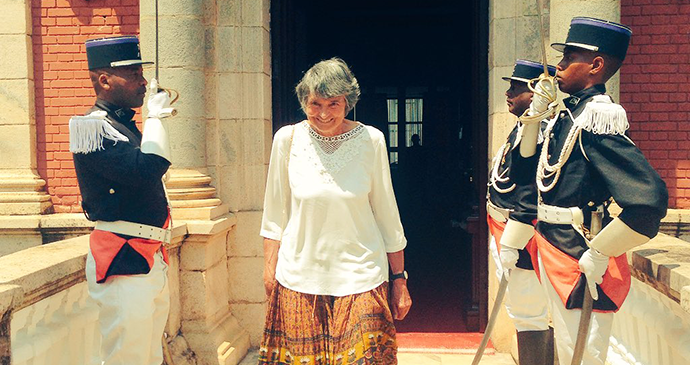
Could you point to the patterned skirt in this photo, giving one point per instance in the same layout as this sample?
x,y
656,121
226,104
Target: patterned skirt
x,y
305,329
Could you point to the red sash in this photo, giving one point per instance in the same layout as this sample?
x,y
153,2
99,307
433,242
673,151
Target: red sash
x,y
106,245
563,272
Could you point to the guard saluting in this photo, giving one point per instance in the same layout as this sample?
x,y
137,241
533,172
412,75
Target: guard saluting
x,y
587,159
508,205
119,172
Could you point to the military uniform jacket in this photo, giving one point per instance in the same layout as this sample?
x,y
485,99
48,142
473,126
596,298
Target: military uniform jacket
x,y
119,182
601,165
504,193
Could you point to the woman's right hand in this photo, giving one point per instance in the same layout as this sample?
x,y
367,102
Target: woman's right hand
x,y
271,248
269,280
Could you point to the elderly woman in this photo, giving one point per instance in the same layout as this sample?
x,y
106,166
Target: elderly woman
x,y
332,234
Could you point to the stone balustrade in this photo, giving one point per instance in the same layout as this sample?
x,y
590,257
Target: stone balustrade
x,y
653,325
47,317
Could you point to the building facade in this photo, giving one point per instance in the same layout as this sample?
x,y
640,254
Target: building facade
x,y
234,63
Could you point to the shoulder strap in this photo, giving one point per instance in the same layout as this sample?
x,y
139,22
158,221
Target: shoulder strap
x,y
286,181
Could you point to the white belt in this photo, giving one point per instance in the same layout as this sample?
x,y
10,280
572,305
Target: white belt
x,y
558,215
136,230
497,213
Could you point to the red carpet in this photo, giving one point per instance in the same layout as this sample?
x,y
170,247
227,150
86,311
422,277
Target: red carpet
x,y
451,343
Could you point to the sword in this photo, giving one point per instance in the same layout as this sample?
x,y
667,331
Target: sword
x,y
492,319
588,302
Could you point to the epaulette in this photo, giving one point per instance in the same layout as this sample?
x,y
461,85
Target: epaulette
x,y
86,133
602,116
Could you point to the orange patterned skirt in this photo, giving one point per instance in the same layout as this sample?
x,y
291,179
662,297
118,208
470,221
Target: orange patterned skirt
x,y
305,329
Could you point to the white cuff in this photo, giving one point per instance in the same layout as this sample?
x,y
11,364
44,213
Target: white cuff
x,y
616,239
529,140
154,139
516,234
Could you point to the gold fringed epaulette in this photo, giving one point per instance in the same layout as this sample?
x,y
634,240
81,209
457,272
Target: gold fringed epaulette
x,y
603,116
86,133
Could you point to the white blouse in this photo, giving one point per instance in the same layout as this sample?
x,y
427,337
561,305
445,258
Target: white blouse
x,y
342,216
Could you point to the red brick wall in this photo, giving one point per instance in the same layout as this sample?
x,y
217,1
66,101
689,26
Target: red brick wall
x,y
63,89
655,88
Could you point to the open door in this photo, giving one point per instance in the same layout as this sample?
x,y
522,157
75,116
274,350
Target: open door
x,y
422,69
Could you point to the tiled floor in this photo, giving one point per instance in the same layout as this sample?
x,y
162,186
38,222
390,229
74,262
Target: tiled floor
x,y
424,359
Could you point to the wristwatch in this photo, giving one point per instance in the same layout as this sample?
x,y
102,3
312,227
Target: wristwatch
x,y
402,275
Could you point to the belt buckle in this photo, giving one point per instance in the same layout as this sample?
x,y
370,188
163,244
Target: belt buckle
x,y
167,237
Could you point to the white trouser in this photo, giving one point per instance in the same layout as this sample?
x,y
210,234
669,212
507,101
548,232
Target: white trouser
x,y
566,322
133,313
526,301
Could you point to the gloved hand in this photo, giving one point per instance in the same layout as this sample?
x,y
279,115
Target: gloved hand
x,y
509,258
158,104
544,94
593,264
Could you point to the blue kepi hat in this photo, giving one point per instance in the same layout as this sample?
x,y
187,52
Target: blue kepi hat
x,y
526,70
114,52
597,35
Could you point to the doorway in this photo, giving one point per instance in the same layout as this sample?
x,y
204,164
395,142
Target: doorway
x,y
422,70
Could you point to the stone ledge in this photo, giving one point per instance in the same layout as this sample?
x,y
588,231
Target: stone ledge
x,y
677,216
664,264
44,270
47,269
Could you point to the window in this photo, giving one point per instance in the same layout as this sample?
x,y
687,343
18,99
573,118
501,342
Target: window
x,y
412,124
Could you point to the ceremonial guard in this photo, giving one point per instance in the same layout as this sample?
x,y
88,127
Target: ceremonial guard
x,y
120,172
587,159
507,205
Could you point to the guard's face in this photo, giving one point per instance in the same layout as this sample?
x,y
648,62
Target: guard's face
x,y
323,113
518,97
573,72
127,86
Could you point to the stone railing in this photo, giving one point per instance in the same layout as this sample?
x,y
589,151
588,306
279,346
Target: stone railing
x,y
653,325
47,317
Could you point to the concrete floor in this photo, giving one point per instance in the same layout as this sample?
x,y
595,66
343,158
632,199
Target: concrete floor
x,y
423,359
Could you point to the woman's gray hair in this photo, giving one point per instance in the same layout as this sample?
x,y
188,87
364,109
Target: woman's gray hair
x,y
328,79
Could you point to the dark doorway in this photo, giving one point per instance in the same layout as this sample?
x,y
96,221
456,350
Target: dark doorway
x,y
422,70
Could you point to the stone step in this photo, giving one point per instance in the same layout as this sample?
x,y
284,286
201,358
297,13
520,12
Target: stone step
x,y
195,203
192,193
188,181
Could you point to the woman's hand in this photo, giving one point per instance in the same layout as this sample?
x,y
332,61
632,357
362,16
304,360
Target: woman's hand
x,y
271,248
400,299
269,279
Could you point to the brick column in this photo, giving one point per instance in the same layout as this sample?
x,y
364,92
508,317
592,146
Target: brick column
x,y
21,189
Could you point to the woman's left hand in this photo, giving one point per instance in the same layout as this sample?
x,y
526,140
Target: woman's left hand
x,y
400,299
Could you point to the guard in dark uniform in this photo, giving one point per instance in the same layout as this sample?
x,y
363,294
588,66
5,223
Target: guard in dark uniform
x,y
120,172
526,303
586,160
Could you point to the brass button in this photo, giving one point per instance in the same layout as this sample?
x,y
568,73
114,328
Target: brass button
x,y
548,156
551,135
591,204
112,191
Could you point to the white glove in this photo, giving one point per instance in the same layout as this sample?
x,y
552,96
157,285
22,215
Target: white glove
x,y
544,94
509,258
158,104
593,264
